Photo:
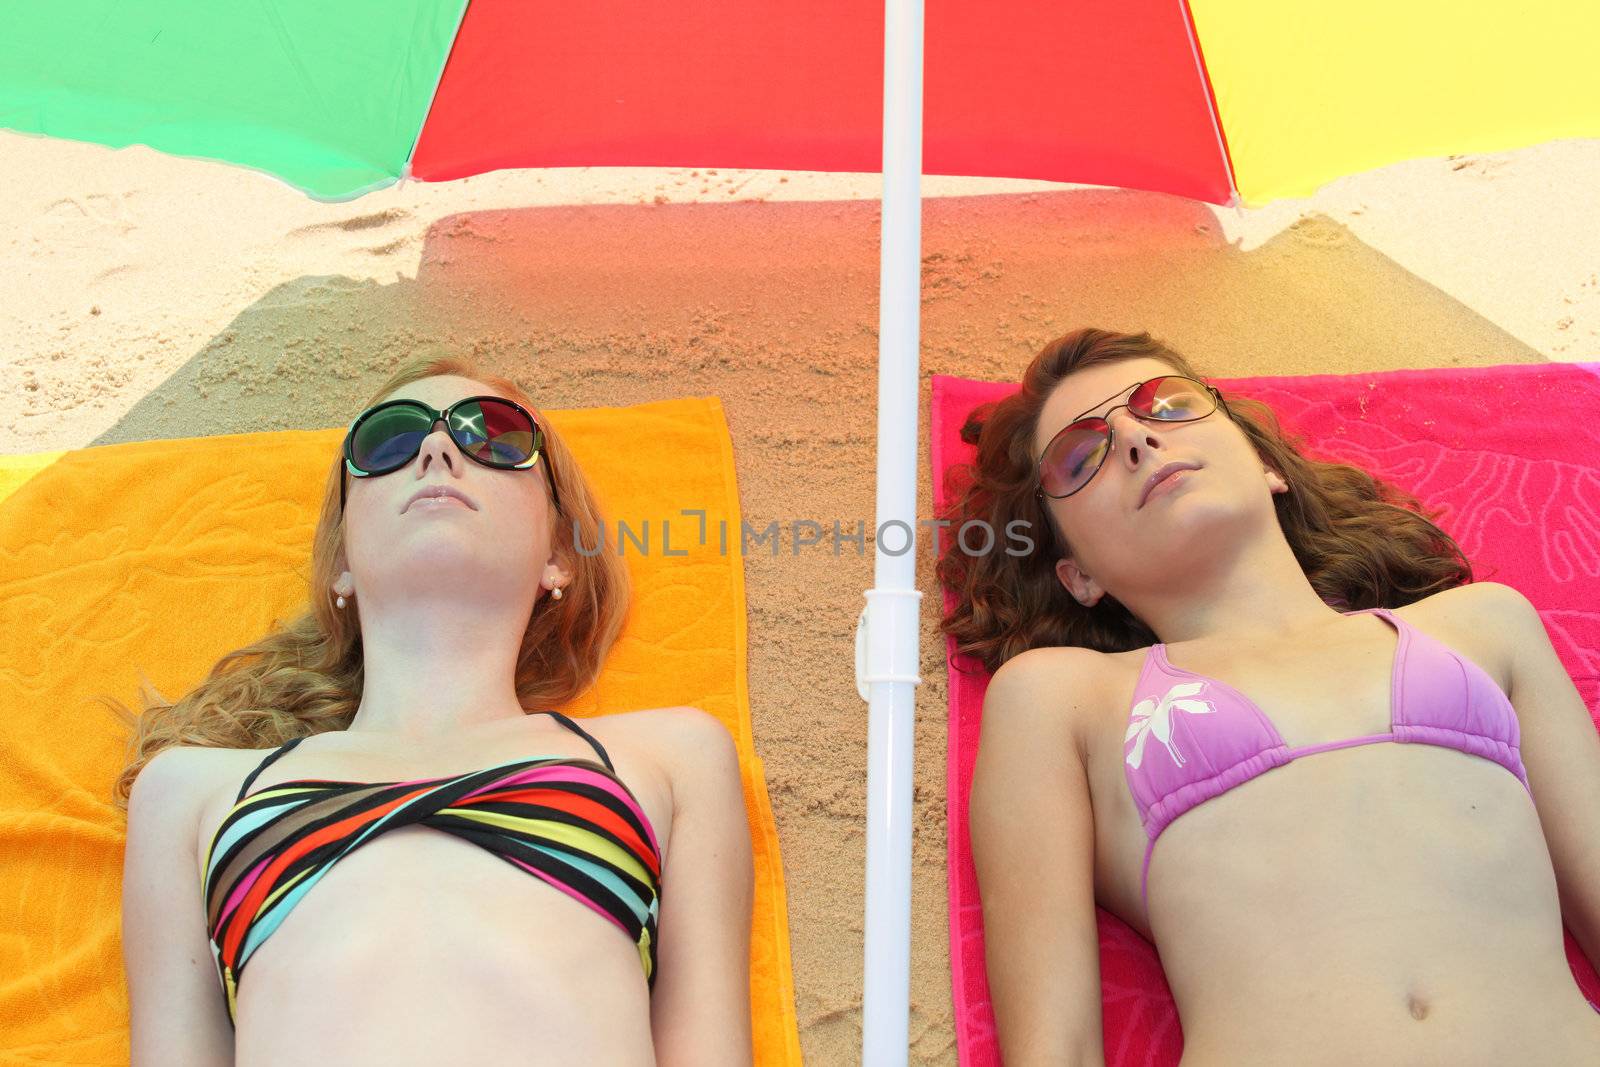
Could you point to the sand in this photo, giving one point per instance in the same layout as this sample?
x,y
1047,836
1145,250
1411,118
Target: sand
x,y
152,297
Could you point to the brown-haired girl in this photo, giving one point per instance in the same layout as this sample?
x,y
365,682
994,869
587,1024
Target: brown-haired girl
x,y
1252,704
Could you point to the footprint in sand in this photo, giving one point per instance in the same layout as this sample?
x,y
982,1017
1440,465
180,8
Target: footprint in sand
x,y
393,239
110,273
1477,166
1580,316
1319,230
91,216
309,292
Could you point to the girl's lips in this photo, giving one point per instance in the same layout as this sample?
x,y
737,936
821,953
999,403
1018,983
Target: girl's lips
x,y
1166,484
435,502
429,491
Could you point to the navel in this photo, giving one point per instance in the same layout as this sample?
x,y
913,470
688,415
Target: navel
x,y
1417,1004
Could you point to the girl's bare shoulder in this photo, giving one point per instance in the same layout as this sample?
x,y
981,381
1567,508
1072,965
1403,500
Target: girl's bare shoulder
x,y
182,782
678,738
1059,689
1481,620
674,722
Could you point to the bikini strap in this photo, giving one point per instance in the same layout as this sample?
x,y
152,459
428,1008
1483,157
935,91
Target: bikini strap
x,y
581,732
264,764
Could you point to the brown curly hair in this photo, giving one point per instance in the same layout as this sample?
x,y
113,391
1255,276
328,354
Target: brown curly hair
x,y
1361,542
305,676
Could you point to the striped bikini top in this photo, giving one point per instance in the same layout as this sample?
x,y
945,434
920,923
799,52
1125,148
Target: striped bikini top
x,y
1191,738
571,823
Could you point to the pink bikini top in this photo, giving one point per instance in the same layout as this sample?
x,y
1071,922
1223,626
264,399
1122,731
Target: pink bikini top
x,y
1191,738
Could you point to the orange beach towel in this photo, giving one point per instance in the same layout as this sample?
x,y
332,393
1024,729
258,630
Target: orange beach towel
x,y
157,557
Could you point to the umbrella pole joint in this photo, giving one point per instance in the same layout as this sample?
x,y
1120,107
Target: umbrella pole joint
x,y
885,660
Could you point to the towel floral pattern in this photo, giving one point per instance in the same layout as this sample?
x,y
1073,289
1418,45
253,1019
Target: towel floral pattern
x,y
1154,718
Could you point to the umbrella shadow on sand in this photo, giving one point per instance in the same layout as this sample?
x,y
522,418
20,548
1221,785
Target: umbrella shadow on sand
x,y
609,304
773,307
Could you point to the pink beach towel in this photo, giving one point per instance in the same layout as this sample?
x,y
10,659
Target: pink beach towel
x,y
1508,453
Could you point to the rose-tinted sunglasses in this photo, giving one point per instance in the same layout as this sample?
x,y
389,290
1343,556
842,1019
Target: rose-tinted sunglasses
x,y
1076,454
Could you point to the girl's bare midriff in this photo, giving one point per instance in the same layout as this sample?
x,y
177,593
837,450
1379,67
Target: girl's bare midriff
x,y
420,947
1386,903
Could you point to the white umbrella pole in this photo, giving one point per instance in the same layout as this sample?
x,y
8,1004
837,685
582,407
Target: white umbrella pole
x,y
891,651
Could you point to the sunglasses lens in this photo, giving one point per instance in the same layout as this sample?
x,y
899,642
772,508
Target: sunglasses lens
x,y
1172,399
497,433
493,432
388,438
1072,457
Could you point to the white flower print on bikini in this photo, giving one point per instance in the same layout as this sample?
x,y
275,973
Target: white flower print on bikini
x,y
1152,717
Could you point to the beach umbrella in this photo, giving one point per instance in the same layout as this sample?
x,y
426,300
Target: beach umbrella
x,y
1224,101
1210,100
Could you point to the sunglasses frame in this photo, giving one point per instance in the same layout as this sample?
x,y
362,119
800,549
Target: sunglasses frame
x,y
445,415
1217,403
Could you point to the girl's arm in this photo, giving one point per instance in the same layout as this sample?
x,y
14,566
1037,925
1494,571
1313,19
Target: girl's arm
x,y
1561,752
1032,829
175,1000
700,1007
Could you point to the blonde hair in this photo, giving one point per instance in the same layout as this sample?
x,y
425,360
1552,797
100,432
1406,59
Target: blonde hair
x,y
305,676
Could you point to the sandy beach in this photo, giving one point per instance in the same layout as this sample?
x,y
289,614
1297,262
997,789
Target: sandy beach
x,y
153,297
